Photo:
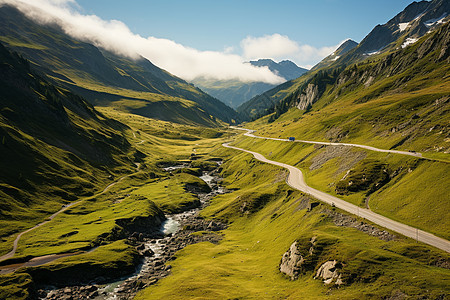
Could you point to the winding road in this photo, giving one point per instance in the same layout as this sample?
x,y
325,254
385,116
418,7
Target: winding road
x,y
296,181
250,134
64,208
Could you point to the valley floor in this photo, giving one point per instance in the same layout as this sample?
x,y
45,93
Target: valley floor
x,y
264,216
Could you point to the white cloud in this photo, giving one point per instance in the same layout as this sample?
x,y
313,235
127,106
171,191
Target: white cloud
x,y
185,62
279,47
115,36
268,46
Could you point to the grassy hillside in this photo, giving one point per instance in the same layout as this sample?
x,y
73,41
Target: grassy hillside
x,y
106,218
403,188
397,100
55,147
104,78
392,101
384,41
265,218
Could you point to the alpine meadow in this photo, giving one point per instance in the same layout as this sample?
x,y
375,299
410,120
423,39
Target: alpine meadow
x,y
224,150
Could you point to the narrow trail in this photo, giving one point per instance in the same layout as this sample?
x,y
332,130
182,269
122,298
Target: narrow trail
x,y
296,181
64,208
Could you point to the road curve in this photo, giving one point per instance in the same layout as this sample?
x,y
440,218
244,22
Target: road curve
x,y
296,181
250,134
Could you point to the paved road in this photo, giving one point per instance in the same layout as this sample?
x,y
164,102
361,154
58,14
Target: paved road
x,y
64,208
296,181
250,134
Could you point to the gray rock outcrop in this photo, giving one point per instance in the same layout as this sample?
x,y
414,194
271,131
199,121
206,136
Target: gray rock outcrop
x,y
329,272
308,97
291,262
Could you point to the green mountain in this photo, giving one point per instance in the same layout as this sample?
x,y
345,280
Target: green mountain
x,y
264,103
55,147
106,79
235,92
397,99
404,29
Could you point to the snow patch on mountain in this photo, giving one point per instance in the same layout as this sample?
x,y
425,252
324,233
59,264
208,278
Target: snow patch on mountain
x,y
432,22
372,53
403,26
409,41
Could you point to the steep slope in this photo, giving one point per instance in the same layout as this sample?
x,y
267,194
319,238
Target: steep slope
x,y
264,103
234,92
107,79
404,29
396,100
275,230
55,147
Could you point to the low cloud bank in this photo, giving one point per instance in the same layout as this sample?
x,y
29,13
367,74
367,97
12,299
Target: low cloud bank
x,y
185,62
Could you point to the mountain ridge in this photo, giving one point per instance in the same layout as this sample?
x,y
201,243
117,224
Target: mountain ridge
x,y
382,40
54,146
235,92
86,66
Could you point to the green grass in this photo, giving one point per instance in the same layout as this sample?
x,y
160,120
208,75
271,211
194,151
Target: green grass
x,y
110,261
244,265
16,286
415,194
84,225
405,107
157,141
171,194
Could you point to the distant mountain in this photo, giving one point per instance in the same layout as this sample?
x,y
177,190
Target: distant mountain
x,y
406,28
234,92
53,144
104,78
286,68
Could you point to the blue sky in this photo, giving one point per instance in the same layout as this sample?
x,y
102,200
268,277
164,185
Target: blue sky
x,y
218,24
214,39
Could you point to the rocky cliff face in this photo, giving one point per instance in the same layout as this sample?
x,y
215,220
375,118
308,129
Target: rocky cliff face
x,y
308,96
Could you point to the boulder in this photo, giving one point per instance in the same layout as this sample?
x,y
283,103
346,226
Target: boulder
x,y
329,272
291,262
148,252
295,262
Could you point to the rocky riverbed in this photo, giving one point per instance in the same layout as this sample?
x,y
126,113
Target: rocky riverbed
x,y
157,250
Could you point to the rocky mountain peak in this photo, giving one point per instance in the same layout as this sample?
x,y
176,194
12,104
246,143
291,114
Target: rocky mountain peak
x,y
408,26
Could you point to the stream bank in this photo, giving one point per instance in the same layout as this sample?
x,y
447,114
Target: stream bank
x,y
156,249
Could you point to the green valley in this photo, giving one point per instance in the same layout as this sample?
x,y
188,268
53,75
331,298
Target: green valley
x,y
120,180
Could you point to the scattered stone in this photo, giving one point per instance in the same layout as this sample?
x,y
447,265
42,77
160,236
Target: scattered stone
x,y
294,262
147,253
348,221
156,250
